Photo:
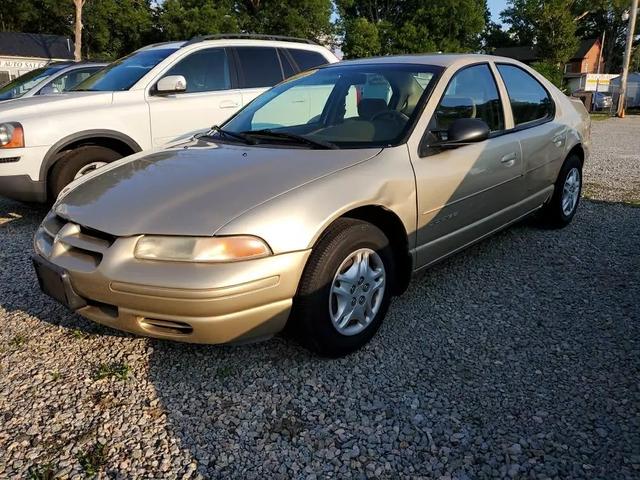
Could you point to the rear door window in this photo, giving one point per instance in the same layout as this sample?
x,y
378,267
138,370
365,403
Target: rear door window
x,y
530,101
260,67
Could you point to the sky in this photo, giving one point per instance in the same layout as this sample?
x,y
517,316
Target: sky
x,y
496,6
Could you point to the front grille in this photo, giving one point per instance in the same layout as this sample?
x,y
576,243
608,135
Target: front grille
x,y
64,240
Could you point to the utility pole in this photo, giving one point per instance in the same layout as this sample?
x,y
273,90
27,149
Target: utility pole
x,y
627,57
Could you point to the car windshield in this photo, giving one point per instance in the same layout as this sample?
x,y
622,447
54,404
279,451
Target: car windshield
x,y
344,106
26,82
124,73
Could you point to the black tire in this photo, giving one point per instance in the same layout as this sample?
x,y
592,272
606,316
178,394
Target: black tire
x,y
69,164
311,316
552,214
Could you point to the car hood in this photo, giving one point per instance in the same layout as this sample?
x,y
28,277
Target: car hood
x,y
17,108
194,189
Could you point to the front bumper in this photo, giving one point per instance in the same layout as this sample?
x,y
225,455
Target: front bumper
x,y
20,174
199,303
21,187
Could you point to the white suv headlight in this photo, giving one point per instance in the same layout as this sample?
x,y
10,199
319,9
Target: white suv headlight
x,y
11,135
201,249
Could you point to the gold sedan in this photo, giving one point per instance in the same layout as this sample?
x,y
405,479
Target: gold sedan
x,y
314,204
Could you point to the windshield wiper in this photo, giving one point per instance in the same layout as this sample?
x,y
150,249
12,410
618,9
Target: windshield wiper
x,y
292,136
226,133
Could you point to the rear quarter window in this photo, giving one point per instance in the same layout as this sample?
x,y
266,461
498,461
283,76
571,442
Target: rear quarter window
x,y
306,59
530,101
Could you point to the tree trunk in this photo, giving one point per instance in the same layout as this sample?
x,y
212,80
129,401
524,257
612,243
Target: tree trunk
x,y
78,30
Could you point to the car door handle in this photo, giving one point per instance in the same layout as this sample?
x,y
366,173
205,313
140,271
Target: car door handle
x,y
509,159
228,104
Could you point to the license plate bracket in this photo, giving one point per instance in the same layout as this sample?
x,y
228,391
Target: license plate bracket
x,y
55,282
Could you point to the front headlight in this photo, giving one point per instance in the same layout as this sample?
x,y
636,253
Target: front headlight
x,y
11,135
201,249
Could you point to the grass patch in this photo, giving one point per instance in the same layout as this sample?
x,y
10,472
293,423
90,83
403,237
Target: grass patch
x,y
597,117
18,340
79,334
93,458
119,371
41,472
56,375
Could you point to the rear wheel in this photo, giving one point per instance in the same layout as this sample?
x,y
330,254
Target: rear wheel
x,y
345,289
563,205
78,162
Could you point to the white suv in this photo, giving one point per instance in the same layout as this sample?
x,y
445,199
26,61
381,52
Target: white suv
x,y
156,95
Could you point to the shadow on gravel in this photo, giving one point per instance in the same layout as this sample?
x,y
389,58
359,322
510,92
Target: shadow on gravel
x,y
517,357
19,289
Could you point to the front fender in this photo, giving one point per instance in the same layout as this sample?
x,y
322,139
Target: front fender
x,y
294,221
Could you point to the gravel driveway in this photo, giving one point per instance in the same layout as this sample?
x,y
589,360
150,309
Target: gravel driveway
x,y
517,358
614,170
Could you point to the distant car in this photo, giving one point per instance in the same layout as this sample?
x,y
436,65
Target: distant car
x,y
602,101
147,99
366,172
57,77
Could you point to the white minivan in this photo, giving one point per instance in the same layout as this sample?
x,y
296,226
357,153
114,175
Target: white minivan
x,y
156,95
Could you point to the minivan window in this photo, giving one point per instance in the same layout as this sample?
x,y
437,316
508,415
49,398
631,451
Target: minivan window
x,y
471,93
69,80
260,66
125,73
307,59
26,82
205,70
529,100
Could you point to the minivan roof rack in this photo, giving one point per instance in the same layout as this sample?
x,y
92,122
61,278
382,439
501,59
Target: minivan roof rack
x,y
247,36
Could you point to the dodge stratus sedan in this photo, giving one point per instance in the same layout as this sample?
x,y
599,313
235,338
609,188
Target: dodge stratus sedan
x,y
314,204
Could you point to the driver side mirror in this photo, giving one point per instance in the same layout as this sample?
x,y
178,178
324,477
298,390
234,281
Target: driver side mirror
x,y
465,130
171,84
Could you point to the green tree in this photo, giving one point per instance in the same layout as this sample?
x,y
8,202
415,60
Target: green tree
x,y
605,16
361,38
112,28
549,24
373,27
494,37
183,19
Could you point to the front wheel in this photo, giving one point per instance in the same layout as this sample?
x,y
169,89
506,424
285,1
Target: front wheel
x,y
345,289
563,205
75,163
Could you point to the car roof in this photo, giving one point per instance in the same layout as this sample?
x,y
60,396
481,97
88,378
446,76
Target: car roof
x,y
162,45
238,40
438,59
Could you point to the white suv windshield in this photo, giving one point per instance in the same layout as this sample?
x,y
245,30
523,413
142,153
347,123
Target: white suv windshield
x,y
124,73
346,106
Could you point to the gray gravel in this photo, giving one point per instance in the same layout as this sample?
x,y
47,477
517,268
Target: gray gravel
x,y
613,172
517,358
